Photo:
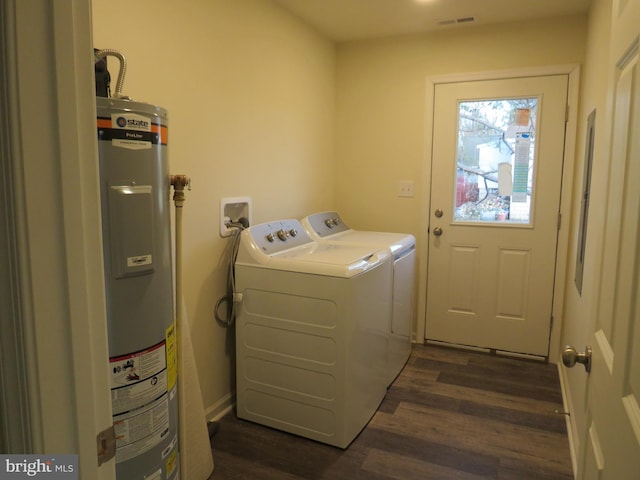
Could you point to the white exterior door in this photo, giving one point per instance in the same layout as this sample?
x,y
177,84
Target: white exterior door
x,y
612,446
495,192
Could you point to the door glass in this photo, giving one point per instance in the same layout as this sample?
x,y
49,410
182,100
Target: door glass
x,y
495,160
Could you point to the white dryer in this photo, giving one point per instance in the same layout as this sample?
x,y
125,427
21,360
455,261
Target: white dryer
x,y
328,227
310,332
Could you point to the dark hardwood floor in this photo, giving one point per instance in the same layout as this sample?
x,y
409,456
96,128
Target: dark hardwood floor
x,y
450,414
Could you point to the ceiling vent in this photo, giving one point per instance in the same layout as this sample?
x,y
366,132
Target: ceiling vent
x,y
455,21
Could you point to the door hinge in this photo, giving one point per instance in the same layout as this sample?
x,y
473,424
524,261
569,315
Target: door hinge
x,y
106,443
566,114
559,220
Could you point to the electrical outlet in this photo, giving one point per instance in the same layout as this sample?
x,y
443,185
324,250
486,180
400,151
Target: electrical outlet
x,y
405,188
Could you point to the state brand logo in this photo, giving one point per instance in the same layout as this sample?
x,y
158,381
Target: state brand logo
x,y
130,121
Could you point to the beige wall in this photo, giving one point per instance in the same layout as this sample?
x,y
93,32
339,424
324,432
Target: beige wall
x,y
250,95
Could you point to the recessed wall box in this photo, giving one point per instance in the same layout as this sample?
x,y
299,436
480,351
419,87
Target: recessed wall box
x,y
232,209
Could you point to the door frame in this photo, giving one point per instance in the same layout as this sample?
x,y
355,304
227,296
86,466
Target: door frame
x,y
573,72
57,316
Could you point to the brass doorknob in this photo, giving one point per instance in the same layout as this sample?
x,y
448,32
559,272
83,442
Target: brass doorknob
x,y
570,357
437,231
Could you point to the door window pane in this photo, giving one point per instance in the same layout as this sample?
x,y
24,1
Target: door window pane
x,y
495,160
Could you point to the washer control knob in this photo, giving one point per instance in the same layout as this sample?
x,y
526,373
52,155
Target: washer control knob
x,y
270,237
335,221
329,222
293,232
282,234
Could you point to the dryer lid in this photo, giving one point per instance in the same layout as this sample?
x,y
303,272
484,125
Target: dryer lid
x,y
329,227
395,242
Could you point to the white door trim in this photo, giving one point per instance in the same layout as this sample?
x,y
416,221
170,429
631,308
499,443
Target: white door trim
x,y
573,71
15,417
57,216
500,74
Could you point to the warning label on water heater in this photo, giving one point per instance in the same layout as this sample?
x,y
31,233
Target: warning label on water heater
x,y
142,429
137,366
140,400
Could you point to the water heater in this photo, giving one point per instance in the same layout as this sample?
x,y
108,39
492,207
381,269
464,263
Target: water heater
x,y
136,229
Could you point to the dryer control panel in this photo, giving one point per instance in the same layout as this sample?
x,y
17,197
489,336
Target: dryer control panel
x,y
275,237
327,223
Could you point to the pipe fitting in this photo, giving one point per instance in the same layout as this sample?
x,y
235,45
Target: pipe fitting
x,y
179,182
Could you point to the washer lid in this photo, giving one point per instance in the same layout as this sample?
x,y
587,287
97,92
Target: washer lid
x,y
329,259
261,246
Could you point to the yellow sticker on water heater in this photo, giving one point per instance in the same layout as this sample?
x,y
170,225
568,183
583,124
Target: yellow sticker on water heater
x,y
172,366
172,463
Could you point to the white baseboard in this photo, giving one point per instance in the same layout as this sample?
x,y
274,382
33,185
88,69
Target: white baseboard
x,y
219,409
572,430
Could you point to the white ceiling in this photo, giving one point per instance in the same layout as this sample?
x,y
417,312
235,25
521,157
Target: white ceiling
x,y
344,20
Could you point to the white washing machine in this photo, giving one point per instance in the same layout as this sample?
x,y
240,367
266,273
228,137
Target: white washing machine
x,y
328,227
311,335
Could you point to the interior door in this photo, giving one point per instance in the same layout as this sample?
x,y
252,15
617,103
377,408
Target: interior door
x,y
495,193
612,448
